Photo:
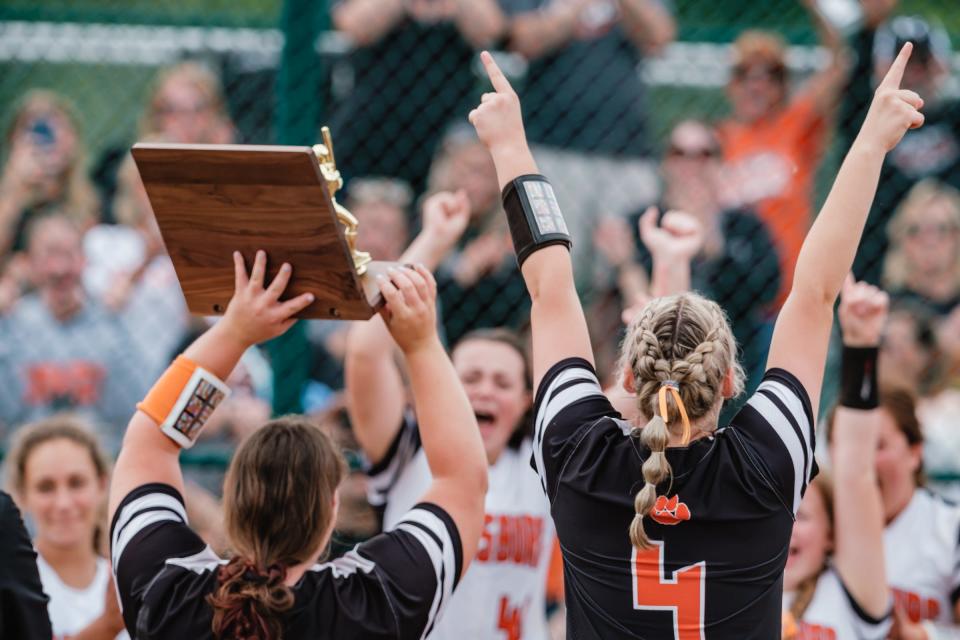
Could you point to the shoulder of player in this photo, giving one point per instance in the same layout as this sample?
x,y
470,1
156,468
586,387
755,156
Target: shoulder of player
x,y
604,431
561,376
174,603
939,511
345,572
785,392
835,605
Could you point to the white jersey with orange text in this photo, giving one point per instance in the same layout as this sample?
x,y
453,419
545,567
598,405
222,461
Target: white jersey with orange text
x,y
502,594
922,550
833,614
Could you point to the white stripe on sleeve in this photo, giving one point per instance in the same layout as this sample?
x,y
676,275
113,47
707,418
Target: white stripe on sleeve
x,y
442,556
795,406
586,385
788,435
142,512
793,403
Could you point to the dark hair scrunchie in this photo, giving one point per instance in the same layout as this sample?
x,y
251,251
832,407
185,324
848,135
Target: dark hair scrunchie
x,y
248,601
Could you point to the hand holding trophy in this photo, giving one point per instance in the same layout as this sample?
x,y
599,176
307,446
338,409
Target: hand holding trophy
x,y
212,200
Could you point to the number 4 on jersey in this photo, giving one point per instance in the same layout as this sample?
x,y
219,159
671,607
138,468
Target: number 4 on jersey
x,y
510,620
682,594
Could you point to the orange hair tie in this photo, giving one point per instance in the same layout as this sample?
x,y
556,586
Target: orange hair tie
x,y
674,388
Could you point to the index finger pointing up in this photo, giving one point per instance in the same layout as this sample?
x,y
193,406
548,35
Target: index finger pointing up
x,y
895,74
497,79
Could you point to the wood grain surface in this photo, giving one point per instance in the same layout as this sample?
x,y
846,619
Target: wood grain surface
x,y
212,200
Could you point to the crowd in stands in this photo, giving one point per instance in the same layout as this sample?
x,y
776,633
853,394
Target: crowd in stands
x,y
91,310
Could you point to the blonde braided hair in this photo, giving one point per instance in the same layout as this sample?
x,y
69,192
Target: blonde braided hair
x,y
682,343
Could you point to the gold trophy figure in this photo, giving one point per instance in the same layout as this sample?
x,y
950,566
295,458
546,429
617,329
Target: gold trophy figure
x,y
328,168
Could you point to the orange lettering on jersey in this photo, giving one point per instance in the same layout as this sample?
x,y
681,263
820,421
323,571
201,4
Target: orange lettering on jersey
x,y
682,594
670,511
483,548
76,383
808,631
509,538
916,606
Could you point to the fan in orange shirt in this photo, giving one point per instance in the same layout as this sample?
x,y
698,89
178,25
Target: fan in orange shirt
x,y
773,142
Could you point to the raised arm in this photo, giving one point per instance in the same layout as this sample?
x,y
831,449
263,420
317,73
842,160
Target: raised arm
x,y
672,241
824,86
858,509
802,330
376,396
649,23
876,12
366,21
536,33
255,314
448,427
481,22
539,234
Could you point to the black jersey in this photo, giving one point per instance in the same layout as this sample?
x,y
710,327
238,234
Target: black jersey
x,y
720,529
23,605
392,586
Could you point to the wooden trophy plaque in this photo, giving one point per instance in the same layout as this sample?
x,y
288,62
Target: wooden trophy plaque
x,y
212,200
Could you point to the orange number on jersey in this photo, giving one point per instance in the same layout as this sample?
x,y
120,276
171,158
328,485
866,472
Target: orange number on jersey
x,y
815,632
511,620
682,594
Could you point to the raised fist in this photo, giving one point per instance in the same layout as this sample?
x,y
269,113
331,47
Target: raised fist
x,y
863,313
678,237
445,217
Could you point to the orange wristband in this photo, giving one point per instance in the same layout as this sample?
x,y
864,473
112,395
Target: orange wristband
x,y
182,400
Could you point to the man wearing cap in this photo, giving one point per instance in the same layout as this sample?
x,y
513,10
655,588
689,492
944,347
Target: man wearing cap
x,y
930,152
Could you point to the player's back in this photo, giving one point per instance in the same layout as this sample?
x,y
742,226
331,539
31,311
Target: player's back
x,y
720,530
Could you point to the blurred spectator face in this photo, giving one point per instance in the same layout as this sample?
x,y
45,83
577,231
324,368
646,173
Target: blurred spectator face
x,y
492,375
758,79
810,542
756,89
44,140
56,259
471,169
904,358
897,463
931,241
382,230
63,492
185,114
692,160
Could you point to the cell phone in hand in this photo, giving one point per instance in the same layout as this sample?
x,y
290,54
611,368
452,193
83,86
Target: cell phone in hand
x,y
42,133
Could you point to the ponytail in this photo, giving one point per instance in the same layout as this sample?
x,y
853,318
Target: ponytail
x,y
248,601
655,436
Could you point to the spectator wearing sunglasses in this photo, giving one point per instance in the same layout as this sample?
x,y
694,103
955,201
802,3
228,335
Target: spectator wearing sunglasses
x,y
186,104
923,262
737,266
775,137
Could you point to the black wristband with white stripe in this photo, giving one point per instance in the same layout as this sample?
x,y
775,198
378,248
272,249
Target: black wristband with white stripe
x,y
858,378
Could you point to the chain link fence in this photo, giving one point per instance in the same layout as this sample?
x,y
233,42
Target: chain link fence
x,y
737,112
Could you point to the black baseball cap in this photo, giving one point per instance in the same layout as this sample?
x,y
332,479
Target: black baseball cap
x,y
929,42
